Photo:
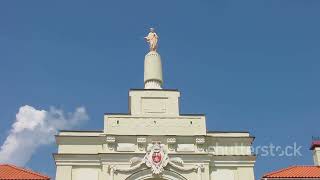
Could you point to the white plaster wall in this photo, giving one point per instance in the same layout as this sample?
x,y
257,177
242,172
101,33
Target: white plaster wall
x,y
245,173
63,172
85,173
155,103
80,149
230,150
316,156
181,125
223,174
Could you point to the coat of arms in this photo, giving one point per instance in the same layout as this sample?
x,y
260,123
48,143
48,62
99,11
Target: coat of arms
x,y
156,158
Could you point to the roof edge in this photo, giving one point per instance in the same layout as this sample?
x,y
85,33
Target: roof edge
x,y
273,174
277,171
27,171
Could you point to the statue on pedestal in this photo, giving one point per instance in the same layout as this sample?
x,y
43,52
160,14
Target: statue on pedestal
x,y
152,39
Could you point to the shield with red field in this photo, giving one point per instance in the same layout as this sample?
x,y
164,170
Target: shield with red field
x,y
156,157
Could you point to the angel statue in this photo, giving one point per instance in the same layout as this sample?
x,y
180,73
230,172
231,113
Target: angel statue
x,y
152,39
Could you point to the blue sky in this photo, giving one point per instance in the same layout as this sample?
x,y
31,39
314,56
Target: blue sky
x,y
248,65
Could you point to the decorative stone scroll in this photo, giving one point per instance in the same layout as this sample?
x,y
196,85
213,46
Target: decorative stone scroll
x,y
157,159
171,143
111,140
200,141
141,143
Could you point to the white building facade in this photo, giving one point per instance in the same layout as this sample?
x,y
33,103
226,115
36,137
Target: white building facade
x,y
153,141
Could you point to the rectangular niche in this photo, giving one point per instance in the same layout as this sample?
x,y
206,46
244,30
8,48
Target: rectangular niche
x,y
151,105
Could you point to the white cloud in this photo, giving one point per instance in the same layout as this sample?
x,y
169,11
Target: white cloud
x,y
34,128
